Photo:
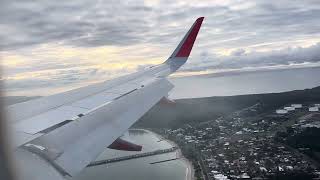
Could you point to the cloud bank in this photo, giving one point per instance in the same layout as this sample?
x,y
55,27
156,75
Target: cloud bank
x,y
48,43
241,59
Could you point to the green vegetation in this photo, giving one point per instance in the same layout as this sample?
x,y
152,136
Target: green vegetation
x,y
306,141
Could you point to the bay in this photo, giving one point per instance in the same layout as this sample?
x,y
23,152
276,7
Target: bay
x,y
140,169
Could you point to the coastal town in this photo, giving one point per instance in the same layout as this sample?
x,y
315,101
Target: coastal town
x,y
253,144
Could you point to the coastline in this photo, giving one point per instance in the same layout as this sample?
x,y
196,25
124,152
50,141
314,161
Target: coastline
x,y
190,169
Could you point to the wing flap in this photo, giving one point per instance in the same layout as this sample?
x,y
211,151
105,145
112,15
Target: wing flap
x,y
73,110
42,121
94,101
70,110
73,146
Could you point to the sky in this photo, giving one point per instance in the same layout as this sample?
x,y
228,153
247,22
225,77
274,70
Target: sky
x,y
51,46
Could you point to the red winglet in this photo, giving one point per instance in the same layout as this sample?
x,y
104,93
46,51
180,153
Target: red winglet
x,y
187,45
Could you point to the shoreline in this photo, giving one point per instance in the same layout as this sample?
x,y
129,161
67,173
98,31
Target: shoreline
x,y
190,170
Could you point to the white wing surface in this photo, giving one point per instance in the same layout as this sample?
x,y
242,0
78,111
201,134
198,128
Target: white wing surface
x,y
70,129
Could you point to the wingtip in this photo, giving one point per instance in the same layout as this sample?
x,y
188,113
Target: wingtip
x,y
187,43
200,18
183,50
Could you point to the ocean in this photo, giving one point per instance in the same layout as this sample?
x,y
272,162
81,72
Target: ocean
x,y
239,83
139,169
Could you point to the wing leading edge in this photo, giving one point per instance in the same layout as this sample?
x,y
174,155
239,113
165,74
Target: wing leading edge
x,y
71,129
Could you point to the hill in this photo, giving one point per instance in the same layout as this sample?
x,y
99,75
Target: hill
x,y
196,110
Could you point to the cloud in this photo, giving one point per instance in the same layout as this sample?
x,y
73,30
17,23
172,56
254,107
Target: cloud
x,y
95,23
238,52
78,41
240,59
82,23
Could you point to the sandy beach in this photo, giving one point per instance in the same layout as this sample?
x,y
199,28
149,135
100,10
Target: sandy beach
x,y
190,169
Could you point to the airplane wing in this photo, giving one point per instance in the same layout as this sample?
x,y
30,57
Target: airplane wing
x,y
71,129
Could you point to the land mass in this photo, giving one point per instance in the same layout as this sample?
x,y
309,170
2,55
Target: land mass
x,y
241,136
195,110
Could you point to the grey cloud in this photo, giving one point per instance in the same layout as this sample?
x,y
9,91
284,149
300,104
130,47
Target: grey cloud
x,y
239,59
96,23
84,23
264,24
238,52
